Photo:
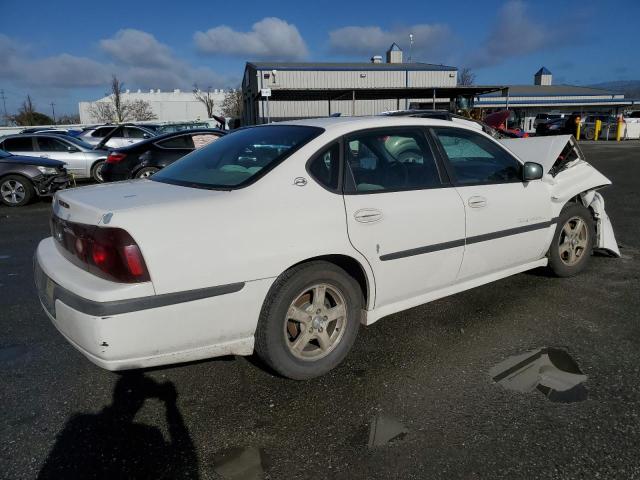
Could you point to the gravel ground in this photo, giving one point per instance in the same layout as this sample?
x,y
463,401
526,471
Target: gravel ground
x,y
420,377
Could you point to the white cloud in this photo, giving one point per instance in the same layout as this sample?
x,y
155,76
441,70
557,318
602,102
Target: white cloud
x,y
430,41
270,38
138,48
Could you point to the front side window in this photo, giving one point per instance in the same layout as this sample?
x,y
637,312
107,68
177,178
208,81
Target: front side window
x,y
48,144
238,158
18,144
325,168
102,132
390,160
476,159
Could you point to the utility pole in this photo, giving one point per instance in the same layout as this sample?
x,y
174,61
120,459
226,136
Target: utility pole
x,y
53,111
4,105
410,46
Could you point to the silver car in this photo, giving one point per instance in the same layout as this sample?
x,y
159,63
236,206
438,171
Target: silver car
x,y
118,135
79,157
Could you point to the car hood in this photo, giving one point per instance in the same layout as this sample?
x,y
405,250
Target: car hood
x,y
38,161
542,150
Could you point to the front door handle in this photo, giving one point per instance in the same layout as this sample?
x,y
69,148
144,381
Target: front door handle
x,y
368,215
477,202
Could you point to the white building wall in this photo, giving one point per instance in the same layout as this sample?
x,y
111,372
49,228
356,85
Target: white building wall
x,y
173,106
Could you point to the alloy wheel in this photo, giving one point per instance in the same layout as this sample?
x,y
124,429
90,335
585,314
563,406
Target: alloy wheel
x,y
315,322
573,241
13,191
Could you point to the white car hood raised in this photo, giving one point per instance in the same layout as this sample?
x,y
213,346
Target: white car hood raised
x,y
542,150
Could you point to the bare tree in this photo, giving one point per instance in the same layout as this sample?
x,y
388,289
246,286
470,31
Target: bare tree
x,y
232,105
118,109
103,112
467,77
27,115
139,110
204,97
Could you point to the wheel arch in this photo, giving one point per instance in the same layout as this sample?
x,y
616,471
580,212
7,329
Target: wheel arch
x,y
354,268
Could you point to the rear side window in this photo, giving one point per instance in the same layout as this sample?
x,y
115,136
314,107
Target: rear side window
x,y
181,142
476,159
47,144
325,167
390,160
20,144
202,139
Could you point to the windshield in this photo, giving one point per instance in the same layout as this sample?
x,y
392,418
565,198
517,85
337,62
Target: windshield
x,y
239,158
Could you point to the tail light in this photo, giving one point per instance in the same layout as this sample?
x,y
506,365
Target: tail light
x,y
115,157
107,252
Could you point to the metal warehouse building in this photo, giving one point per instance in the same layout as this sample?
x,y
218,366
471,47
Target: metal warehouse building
x,y
543,97
306,90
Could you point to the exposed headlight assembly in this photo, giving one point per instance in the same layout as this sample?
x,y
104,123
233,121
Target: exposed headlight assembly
x,y
48,170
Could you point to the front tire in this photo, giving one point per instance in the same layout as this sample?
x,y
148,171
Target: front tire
x,y
16,191
309,320
572,243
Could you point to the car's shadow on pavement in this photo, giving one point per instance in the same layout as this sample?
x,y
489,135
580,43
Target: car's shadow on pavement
x,y
111,445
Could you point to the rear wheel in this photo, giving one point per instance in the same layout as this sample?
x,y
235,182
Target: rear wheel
x,y
15,190
589,134
96,171
309,321
146,172
572,243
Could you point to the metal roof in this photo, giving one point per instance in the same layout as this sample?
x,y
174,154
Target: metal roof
x,y
552,90
543,71
328,66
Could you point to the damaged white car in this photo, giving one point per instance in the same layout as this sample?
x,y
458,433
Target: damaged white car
x,y
282,239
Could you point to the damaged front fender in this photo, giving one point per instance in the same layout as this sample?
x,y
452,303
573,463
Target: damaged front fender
x,y
605,238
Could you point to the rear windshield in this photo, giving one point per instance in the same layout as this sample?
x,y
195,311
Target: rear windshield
x,y
239,158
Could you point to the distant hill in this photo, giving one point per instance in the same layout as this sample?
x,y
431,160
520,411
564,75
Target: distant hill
x,y
630,88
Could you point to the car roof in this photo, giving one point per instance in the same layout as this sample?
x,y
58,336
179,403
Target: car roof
x,y
346,123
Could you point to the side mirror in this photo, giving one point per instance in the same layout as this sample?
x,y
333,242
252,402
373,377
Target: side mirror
x,y
146,135
531,171
71,149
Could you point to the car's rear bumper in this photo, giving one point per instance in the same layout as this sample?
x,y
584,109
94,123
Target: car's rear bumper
x,y
156,329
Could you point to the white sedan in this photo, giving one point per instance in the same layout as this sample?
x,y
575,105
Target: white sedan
x,y
282,239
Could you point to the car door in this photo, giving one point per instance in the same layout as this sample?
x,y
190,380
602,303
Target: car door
x,y
20,146
57,149
507,220
402,213
172,149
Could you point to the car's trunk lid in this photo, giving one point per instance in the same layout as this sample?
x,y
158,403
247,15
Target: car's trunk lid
x,y
97,204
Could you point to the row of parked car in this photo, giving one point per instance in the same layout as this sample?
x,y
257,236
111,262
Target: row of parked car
x,y
565,123
39,162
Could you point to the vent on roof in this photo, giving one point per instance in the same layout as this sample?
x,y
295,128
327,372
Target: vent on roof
x,y
376,59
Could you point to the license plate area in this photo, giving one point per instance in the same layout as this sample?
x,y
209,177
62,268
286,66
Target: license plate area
x,y
46,290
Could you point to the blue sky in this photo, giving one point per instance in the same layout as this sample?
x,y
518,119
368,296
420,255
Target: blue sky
x,y
66,51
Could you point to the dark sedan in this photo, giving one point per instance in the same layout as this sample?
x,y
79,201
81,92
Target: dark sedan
x,y
23,178
148,156
559,126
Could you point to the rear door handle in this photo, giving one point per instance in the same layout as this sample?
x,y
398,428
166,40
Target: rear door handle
x,y
368,215
477,202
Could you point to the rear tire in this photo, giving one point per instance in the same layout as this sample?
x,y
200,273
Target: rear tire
x,y
146,172
96,171
16,190
572,242
309,320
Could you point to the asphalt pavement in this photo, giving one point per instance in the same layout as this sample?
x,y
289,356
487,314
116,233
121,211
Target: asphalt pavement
x,y
414,399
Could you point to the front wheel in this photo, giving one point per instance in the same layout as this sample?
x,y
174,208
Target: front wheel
x,y
309,320
15,191
572,242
